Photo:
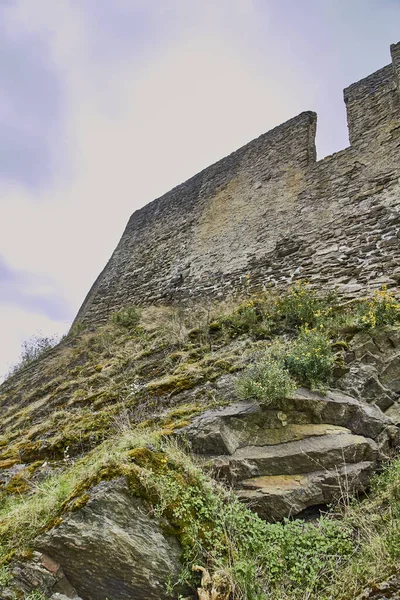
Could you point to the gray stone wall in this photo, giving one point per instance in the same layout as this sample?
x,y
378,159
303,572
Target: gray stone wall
x,y
271,211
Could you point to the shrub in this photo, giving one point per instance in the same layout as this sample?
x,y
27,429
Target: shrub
x,y
266,381
242,319
128,317
305,555
253,316
32,349
310,359
302,306
382,309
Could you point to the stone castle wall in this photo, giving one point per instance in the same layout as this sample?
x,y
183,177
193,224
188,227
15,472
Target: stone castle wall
x,y
272,211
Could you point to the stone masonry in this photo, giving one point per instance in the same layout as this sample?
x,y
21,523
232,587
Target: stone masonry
x,y
272,211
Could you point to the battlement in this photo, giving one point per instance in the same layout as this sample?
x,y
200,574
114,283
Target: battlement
x,y
395,53
373,101
271,211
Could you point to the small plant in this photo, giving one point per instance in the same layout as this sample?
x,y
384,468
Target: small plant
x,y
5,576
77,328
253,316
243,319
310,359
35,595
382,309
266,381
32,349
128,317
303,306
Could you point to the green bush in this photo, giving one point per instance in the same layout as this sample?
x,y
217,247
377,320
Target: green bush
x,y
310,359
303,306
302,555
128,317
382,309
32,349
266,381
264,314
244,319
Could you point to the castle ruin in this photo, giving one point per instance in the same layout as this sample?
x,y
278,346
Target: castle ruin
x,y
273,211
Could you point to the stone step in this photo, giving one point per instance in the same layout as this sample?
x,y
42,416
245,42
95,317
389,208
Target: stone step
x,y
260,436
225,430
308,455
275,497
338,408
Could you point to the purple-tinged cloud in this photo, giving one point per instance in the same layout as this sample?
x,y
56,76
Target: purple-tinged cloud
x,y
32,293
31,107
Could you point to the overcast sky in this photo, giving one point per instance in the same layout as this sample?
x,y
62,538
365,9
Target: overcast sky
x,y
107,104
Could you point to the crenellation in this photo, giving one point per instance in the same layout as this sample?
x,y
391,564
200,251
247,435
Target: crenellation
x,y
272,211
371,103
395,54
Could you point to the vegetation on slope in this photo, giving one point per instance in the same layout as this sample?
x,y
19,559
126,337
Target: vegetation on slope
x,y
335,557
92,407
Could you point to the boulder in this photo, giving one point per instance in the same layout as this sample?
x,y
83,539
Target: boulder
x,y
277,497
39,574
116,524
373,362
304,456
224,430
301,451
394,413
363,381
391,374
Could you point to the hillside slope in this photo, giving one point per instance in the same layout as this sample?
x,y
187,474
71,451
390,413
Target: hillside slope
x,y
129,454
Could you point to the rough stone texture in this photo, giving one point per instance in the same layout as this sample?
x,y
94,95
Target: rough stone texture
x,y
41,574
386,590
277,497
302,456
300,452
225,430
269,209
373,376
112,548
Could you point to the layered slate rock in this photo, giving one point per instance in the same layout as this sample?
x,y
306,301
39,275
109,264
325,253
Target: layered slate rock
x,y
272,496
373,369
112,548
300,452
41,575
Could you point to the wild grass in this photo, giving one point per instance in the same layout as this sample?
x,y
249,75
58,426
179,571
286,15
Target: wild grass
x,y
99,393
332,558
32,349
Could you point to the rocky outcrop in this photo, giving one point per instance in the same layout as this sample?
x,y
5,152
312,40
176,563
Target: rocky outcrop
x,y
112,548
303,451
277,497
40,574
373,369
387,590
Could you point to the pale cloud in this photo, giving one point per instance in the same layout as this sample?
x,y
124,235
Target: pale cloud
x,y
131,135
131,132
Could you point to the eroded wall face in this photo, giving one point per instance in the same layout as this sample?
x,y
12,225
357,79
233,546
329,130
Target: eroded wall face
x,y
270,211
